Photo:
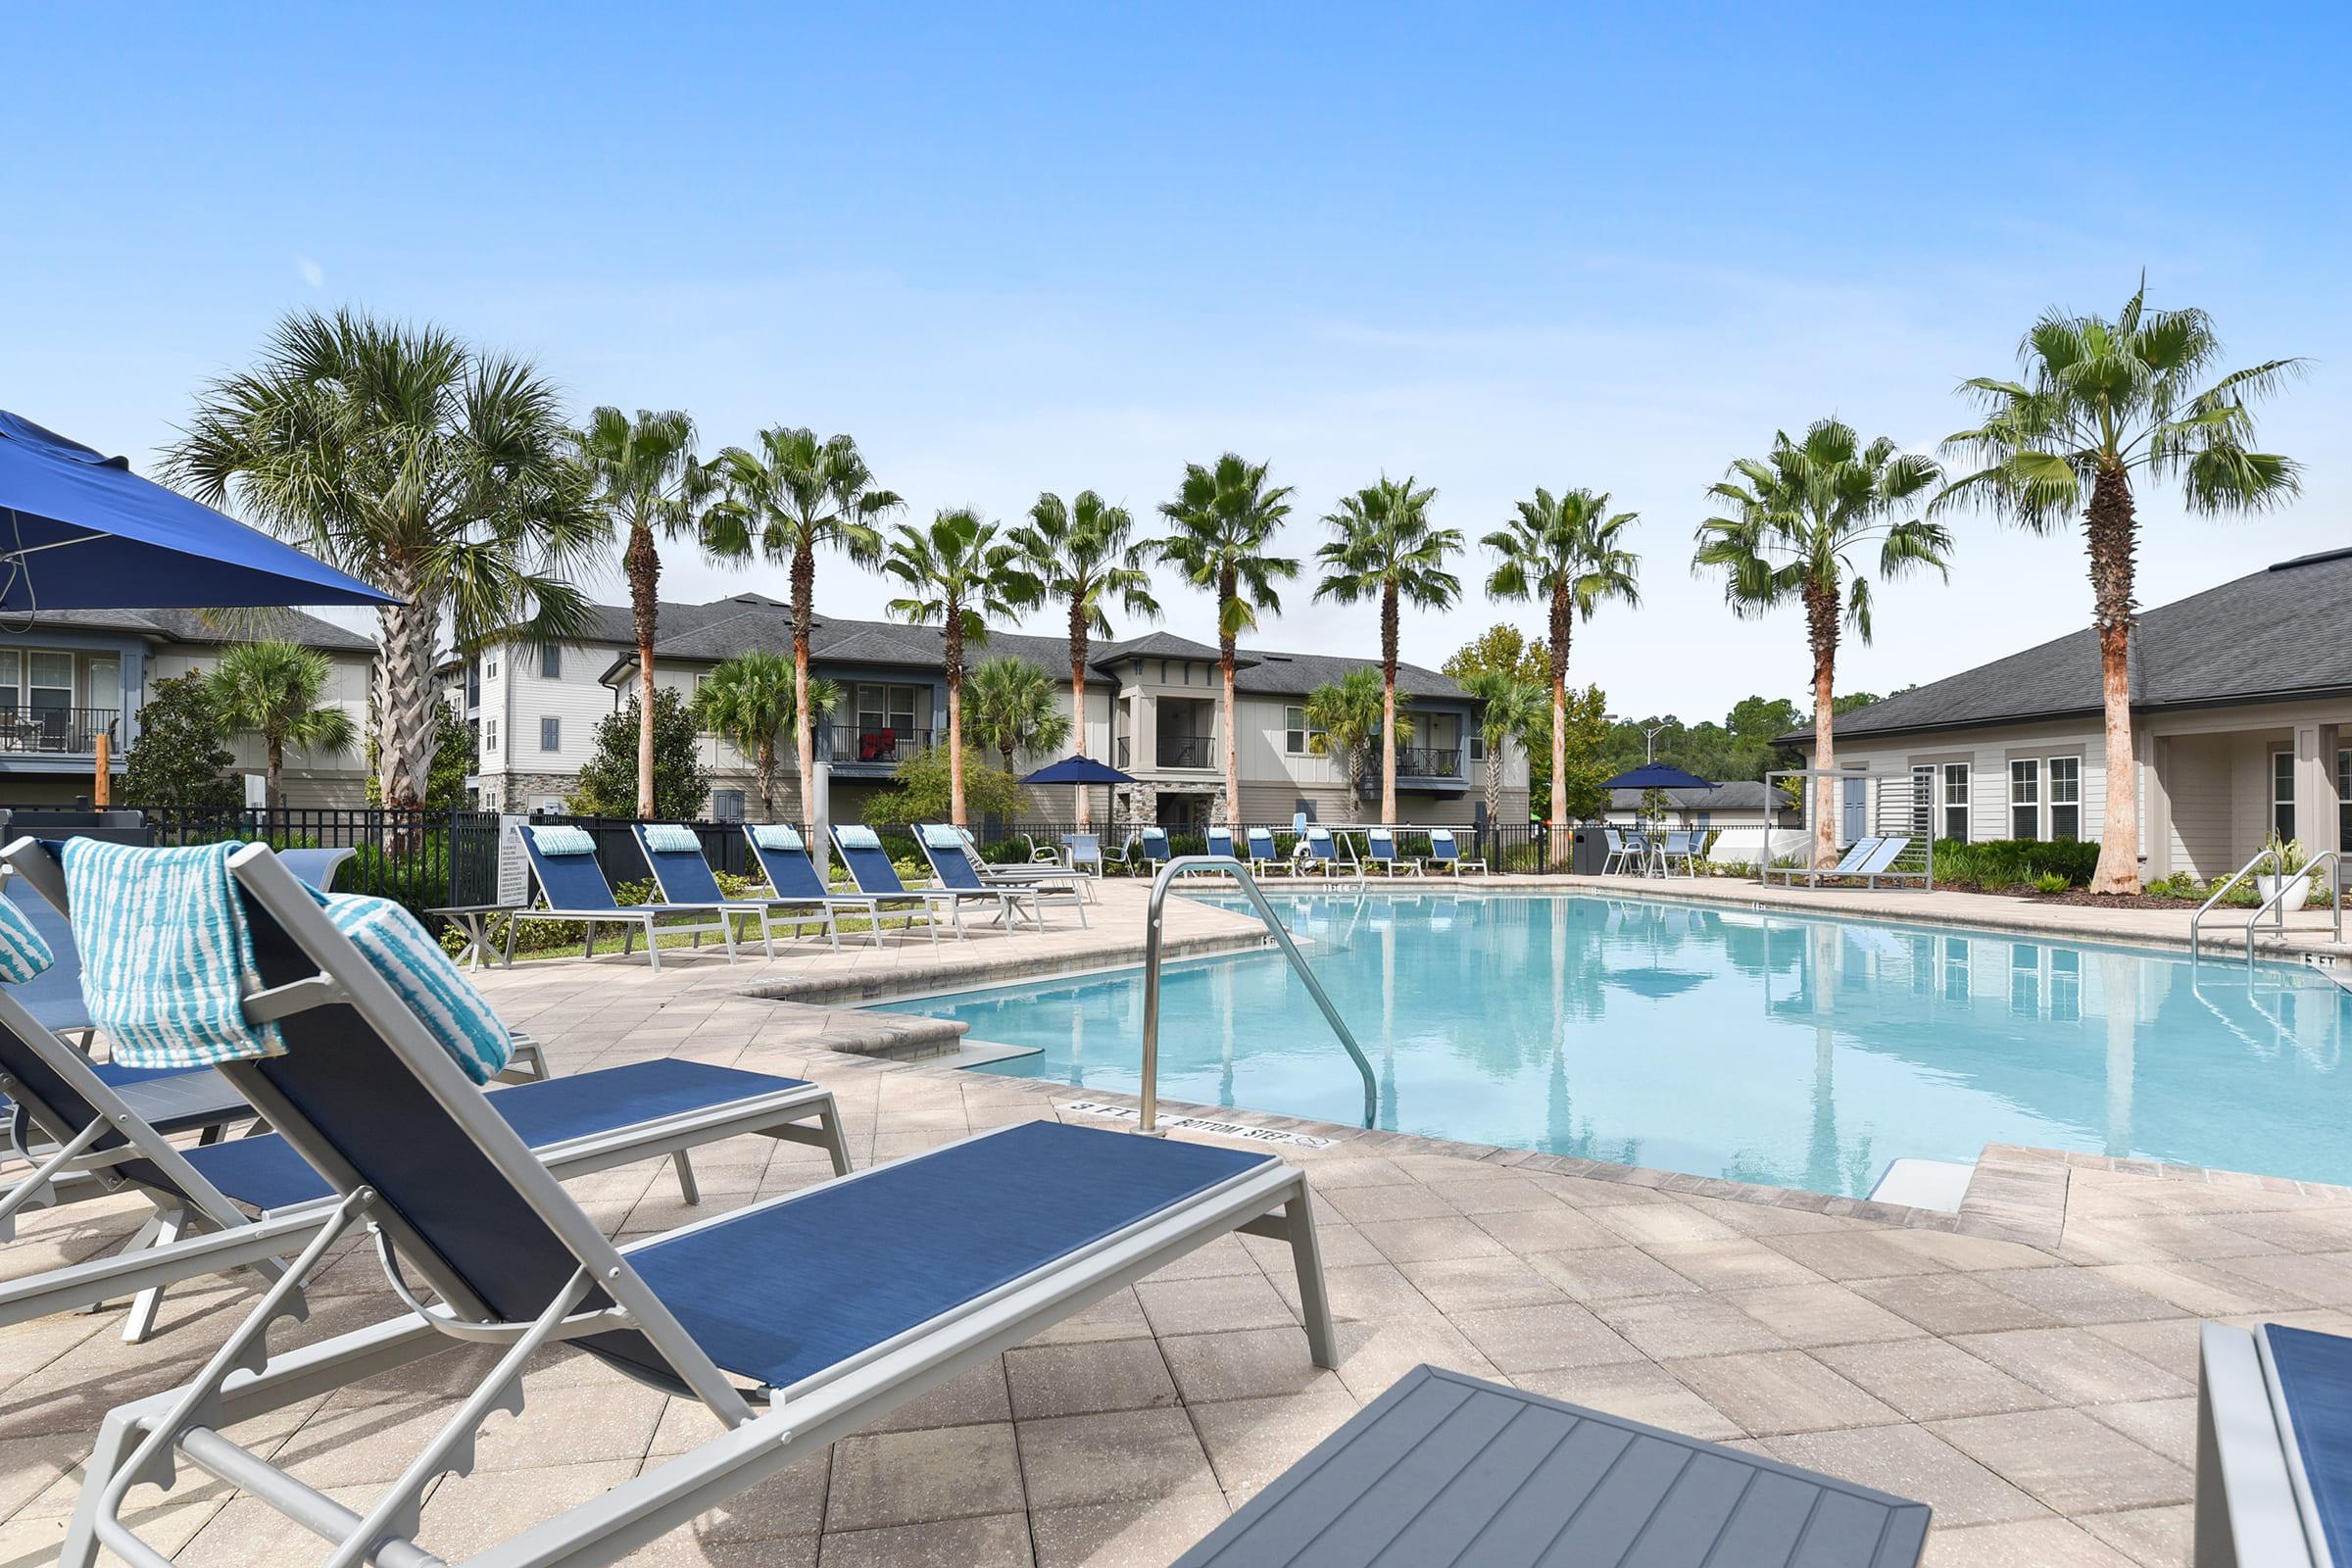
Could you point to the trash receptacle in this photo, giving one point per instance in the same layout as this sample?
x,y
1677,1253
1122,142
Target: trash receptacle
x,y
1588,856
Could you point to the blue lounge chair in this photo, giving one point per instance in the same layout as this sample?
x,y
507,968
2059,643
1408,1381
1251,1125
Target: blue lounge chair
x,y
1220,842
564,869
1447,854
1317,852
1380,844
1262,858
249,1201
1151,845
871,873
952,868
683,873
2273,1448
795,1321
782,855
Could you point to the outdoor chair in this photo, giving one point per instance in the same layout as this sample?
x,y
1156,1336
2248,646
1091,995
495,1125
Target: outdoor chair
x,y
317,867
782,855
952,869
795,1321
1857,855
1083,852
675,855
1678,848
247,1202
2273,1448
1221,843
1262,858
1619,852
1151,845
1380,845
1317,852
871,873
562,867
1447,854
1043,871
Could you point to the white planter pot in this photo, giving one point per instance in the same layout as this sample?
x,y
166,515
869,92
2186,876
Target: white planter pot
x,y
2267,888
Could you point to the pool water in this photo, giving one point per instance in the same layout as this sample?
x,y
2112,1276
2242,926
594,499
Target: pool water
x,y
1763,1047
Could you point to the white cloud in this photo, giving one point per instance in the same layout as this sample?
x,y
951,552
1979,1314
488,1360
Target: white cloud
x,y
312,272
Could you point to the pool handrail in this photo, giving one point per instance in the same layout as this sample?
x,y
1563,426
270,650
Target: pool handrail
x,y
2287,881
1148,1122
2266,852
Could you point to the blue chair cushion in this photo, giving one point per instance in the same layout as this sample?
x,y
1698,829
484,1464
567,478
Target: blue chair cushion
x,y
555,838
457,1017
788,1291
2315,1376
24,952
265,1172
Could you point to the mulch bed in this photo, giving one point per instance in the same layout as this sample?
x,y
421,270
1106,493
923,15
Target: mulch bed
x,y
2088,900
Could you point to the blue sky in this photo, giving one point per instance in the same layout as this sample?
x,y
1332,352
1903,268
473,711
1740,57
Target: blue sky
x,y
1033,248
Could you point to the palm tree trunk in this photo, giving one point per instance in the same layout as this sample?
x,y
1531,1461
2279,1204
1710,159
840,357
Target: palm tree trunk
x,y
405,728
804,739
1563,625
1388,704
955,640
2112,526
643,563
1078,630
1821,627
767,779
1226,586
272,795
1493,785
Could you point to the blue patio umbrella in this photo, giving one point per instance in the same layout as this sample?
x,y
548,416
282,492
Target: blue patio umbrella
x,y
1657,777
1078,771
81,532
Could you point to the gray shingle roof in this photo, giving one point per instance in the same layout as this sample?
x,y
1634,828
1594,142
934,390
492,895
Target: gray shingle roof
x,y
1739,794
191,626
2271,634
728,626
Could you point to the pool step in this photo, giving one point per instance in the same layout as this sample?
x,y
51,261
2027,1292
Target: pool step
x,y
1937,1184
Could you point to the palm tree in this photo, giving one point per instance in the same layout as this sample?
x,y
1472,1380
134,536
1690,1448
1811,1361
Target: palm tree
x,y
1799,517
437,472
1014,708
1568,552
1223,525
794,495
1383,548
749,700
1342,718
1081,554
2095,402
273,689
1508,710
646,480
958,576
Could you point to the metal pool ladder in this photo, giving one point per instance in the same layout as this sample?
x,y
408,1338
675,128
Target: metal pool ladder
x,y
2274,905
1229,866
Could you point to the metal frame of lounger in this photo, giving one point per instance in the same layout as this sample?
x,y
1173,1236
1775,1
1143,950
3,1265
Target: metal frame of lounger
x,y
646,917
693,870
1880,867
1050,876
965,879
516,1220
111,1147
931,899
2254,1503
1455,862
1391,864
796,861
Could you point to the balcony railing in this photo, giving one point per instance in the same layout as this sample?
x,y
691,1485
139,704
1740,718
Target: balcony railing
x,y
1121,753
1429,762
1185,751
880,744
63,730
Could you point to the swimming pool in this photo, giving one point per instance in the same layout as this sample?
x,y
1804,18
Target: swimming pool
x,y
1765,1047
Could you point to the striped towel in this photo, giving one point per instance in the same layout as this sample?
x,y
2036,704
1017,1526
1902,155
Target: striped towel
x,y
940,836
777,836
23,954
857,836
166,955
668,838
558,838
458,1017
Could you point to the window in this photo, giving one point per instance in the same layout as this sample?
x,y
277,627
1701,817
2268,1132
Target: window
x,y
2025,799
1295,733
1922,802
2283,794
48,681
489,800
726,806
551,661
489,737
490,667
2066,797
1477,745
2343,799
550,734
1955,800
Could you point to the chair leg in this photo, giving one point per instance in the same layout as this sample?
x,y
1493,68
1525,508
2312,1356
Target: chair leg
x,y
653,946
1306,1255
688,1188
117,1435
588,942
140,1322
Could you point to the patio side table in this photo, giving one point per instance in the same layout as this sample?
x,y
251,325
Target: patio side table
x,y
474,920
1448,1469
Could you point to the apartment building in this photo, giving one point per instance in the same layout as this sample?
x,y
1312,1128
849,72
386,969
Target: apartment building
x,y
69,676
1154,709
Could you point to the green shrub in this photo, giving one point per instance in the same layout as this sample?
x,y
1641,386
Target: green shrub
x,y
1998,865
2050,882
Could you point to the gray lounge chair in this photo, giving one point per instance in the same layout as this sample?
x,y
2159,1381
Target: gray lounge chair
x,y
1048,875
1857,855
795,1321
574,890
2273,1448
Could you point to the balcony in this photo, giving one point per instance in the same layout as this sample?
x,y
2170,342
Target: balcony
x,y
1122,753
1186,751
57,731
1429,762
875,746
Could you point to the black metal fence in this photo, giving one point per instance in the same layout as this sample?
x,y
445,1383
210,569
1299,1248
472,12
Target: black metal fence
x,y
424,859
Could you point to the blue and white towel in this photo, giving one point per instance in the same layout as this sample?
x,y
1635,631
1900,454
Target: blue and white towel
x,y
166,957
777,836
941,836
858,836
557,837
663,837
24,952
457,1017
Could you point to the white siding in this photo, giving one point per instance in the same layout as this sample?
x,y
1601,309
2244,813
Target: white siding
x,y
345,688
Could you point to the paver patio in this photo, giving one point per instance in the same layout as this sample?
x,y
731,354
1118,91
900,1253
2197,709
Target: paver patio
x,y
2039,1396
